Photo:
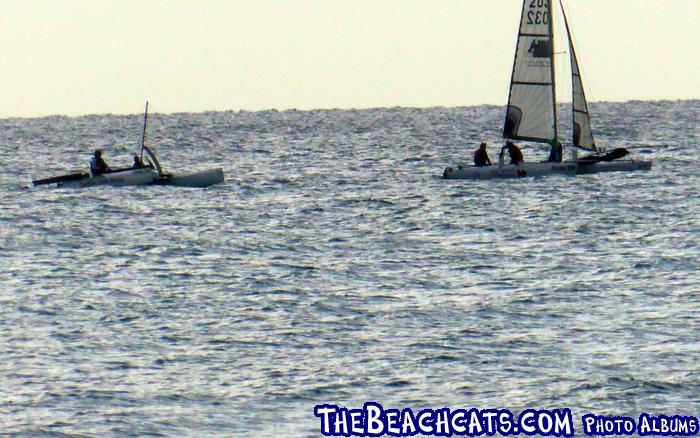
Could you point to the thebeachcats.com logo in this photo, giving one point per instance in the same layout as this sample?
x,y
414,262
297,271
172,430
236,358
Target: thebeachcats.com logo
x,y
373,420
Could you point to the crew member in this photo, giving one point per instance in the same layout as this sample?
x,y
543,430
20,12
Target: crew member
x,y
516,156
98,165
138,162
481,156
555,153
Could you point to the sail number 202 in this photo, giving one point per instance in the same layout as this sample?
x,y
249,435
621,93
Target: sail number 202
x,y
538,17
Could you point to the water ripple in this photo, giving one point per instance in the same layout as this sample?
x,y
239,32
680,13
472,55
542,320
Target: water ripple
x,y
336,266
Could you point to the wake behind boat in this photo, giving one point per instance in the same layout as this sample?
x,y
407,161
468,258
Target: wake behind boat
x,y
139,174
531,113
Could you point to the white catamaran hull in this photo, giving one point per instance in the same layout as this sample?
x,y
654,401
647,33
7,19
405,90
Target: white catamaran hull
x,y
204,178
510,171
133,177
612,166
146,176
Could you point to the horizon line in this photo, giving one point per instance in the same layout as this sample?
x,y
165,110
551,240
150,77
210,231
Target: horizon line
x,y
315,109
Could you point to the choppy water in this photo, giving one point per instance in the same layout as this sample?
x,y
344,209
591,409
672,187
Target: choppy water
x,y
336,266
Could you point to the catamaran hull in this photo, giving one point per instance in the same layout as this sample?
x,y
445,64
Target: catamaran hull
x,y
133,177
510,171
146,176
613,166
204,178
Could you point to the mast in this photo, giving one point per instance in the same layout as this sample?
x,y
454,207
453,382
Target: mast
x,y
551,56
145,148
582,131
531,111
143,135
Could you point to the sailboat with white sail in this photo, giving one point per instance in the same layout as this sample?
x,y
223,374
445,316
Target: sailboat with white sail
x,y
531,113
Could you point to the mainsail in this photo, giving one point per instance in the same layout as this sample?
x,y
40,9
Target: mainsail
x,y
583,134
531,113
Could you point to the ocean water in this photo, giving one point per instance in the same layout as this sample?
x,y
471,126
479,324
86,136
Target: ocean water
x,y
335,265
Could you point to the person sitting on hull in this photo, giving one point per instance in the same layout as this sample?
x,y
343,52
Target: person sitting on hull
x,y
138,162
555,153
481,156
98,165
516,156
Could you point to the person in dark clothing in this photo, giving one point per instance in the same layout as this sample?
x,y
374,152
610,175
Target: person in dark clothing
x,y
98,165
138,162
481,156
555,153
516,156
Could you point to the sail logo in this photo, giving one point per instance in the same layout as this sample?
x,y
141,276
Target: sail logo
x,y
540,49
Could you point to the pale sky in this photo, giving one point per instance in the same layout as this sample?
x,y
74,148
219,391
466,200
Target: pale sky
x,y
78,57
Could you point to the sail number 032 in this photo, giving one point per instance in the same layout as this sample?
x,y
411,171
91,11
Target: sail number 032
x,y
538,17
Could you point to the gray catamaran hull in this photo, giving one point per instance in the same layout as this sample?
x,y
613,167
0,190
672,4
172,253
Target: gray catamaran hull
x,y
204,178
137,177
612,166
510,171
542,169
